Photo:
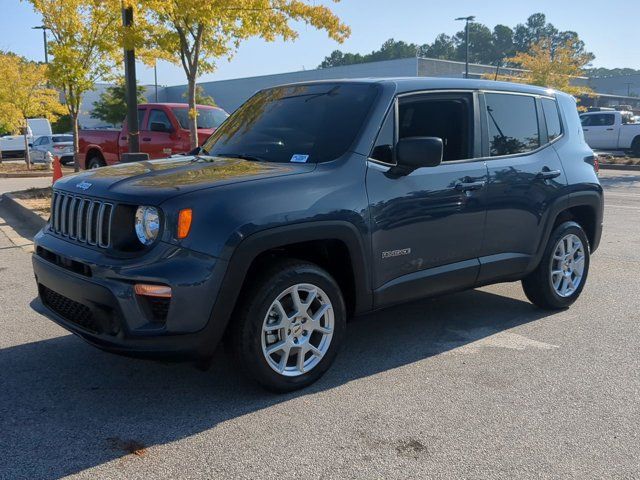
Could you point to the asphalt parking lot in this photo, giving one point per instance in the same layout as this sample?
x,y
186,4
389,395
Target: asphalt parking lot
x,y
478,384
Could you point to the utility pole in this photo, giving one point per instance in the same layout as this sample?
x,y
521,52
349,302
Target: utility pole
x,y
44,36
468,19
130,86
155,78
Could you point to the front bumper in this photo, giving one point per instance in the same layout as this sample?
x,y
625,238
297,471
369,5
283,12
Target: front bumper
x,y
92,296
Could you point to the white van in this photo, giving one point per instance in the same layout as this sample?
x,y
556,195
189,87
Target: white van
x,y
13,145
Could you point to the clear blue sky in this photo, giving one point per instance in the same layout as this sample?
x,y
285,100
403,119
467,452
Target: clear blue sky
x,y
609,28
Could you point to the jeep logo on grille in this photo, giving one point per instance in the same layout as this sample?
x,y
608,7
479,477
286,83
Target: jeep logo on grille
x,y
84,185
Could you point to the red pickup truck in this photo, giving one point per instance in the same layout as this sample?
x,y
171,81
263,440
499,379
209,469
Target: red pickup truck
x,y
164,131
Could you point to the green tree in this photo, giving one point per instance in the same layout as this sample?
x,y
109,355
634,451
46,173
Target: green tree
x,y
195,33
111,107
86,39
24,94
202,98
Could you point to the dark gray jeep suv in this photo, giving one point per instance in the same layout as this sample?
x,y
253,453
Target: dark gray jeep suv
x,y
316,202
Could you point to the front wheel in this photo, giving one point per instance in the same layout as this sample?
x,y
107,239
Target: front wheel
x,y
561,275
289,326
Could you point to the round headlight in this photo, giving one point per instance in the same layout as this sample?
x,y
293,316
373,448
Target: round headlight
x,y
147,224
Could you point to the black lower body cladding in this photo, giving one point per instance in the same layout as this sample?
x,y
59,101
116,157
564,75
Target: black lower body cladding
x,y
98,303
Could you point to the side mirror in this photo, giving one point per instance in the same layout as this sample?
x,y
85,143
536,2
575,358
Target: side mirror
x,y
417,152
159,127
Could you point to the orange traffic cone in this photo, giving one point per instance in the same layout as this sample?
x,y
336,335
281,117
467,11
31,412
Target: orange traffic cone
x,y
57,169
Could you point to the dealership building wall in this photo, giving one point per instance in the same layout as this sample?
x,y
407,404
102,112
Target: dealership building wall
x,y
230,94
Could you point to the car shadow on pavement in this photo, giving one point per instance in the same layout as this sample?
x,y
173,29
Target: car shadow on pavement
x,y
66,406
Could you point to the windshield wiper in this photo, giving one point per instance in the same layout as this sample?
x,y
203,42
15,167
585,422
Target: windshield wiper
x,y
242,156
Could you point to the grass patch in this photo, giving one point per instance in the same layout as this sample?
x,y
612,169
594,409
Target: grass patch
x,y
36,199
21,167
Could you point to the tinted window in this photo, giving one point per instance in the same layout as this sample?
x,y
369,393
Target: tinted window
x,y
158,116
444,116
383,149
513,124
62,138
302,123
552,117
598,120
208,118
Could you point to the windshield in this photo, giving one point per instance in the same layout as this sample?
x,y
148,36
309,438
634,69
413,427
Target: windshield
x,y
62,138
300,123
208,118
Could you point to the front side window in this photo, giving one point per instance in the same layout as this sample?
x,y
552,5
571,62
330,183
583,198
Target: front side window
x,y
598,120
512,124
301,123
159,116
552,118
445,116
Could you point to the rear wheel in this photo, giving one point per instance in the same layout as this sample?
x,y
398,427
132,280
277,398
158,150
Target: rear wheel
x,y
635,146
95,162
289,326
561,275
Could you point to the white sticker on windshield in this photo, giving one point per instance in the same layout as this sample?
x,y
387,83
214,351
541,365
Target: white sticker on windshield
x,y
299,158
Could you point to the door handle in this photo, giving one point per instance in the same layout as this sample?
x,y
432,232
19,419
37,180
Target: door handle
x,y
467,186
548,174
146,139
609,129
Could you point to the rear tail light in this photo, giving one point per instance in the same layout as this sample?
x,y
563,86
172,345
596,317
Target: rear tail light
x,y
596,164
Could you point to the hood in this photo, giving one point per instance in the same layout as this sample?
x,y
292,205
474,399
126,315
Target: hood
x,y
152,182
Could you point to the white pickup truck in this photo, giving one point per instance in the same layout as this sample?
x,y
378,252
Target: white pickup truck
x,y
611,130
13,145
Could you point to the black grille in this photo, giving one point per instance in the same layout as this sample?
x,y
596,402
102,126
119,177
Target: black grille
x,y
69,309
85,220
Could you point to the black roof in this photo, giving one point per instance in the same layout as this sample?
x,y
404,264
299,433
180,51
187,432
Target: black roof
x,y
411,84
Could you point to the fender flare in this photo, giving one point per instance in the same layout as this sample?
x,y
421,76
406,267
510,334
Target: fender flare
x,y
253,245
592,198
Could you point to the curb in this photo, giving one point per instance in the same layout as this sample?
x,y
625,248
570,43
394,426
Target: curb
x,y
28,216
615,166
25,175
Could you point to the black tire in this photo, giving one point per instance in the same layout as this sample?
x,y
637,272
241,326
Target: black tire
x,y
538,286
246,334
95,162
635,146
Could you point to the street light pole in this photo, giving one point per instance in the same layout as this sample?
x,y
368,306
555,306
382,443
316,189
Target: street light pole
x,y
468,19
44,36
131,86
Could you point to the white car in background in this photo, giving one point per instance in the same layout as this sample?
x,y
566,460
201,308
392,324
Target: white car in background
x,y
58,145
611,130
13,145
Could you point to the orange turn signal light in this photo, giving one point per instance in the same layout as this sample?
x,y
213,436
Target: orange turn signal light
x,y
184,222
146,290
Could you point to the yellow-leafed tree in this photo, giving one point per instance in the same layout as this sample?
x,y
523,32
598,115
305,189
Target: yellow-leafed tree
x,y
194,33
24,94
552,66
86,37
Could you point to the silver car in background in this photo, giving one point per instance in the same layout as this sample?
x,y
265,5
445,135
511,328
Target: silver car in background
x,y
58,145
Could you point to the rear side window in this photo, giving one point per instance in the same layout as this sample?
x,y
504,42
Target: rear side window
x,y
512,124
552,118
